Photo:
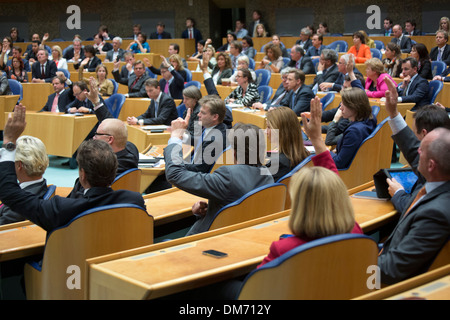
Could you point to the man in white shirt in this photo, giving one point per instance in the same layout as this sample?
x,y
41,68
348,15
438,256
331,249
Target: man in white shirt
x,y
401,40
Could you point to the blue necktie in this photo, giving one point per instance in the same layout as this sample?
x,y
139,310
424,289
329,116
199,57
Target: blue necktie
x,y
199,143
156,108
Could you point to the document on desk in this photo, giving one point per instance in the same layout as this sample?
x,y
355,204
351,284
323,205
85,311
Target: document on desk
x,y
155,127
233,105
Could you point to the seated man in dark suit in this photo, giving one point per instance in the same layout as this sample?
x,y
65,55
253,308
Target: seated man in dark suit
x,y
300,95
162,109
128,69
442,51
90,62
281,93
401,40
172,82
116,52
81,104
135,82
327,70
31,161
305,39
97,170
414,88
300,61
424,226
160,32
344,61
191,32
410,28
43,70
76,53
100,45
61,99
226,184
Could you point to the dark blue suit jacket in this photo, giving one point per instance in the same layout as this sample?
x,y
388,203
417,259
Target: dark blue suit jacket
x,y
167,111
50,70
417,92
301,101
57,211
197,35
176,87
352,137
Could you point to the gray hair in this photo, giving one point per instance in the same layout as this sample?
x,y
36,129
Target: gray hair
x,y
330,54
118,39
33,155
306,31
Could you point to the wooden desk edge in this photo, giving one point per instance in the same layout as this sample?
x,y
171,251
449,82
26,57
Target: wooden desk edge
x,y
406,285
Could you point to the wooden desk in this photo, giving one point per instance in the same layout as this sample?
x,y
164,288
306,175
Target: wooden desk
x,y
22,239
137,274
61,133
134,107
7,104
432,285
143,138
35,95
256,117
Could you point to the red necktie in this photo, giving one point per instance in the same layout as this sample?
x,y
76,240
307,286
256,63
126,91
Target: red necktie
x,y
190,34
42,72
132,86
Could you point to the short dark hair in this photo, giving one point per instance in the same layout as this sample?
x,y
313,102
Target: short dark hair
x,y
151,83
360,36
412,21
249,40
412,61
430,117
175,46
90,48
98,161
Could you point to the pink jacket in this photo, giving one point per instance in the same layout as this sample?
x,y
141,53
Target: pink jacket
x,y
381,86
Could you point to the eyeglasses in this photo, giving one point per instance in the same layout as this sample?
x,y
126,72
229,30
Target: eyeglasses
x,y
102,134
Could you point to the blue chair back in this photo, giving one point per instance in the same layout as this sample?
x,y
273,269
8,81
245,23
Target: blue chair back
x,y
434,89
116,86
263,77
188,75
50,192
379,44
58,40
66,73
315,63
375,110
326,100
338,46
376,53
16,88
296,274
114,103
193,83
267,189
150,74
265,93
286,61
180,110
438,67
251,64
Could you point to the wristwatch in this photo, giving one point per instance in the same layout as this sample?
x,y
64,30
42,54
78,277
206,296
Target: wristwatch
x,y
10,146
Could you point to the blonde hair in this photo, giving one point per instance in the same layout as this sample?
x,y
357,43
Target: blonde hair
x,y
320,204
375,64
286,122
32,153
58,48
177,58
255,34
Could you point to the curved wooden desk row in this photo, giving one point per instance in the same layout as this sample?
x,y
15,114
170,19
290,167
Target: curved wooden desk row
x,y
136,274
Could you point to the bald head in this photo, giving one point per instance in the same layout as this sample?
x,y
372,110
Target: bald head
x,y
434,151
116,133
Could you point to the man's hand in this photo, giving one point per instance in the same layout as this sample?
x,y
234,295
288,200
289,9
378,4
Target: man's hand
x,y
92,95
132,120
200,208
393,186
15,125
324,86
165,62
178,126
391,97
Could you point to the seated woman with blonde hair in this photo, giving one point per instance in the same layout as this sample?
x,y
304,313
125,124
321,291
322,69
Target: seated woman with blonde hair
x,y
375,85
321,206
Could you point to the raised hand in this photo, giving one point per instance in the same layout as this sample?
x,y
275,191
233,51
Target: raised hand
x,y
391,97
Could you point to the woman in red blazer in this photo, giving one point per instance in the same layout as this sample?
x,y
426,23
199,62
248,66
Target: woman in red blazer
x,y
320,203
359,48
